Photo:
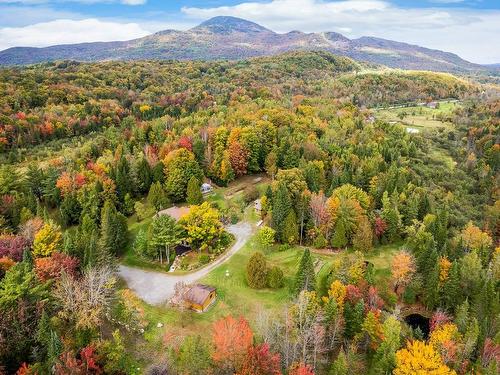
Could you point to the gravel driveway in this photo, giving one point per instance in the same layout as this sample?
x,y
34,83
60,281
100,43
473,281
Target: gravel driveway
x,y
156,288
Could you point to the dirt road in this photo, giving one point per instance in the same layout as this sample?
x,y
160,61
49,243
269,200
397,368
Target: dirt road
x,y
156,288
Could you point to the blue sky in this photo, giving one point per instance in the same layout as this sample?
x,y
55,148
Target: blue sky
x,y
469,28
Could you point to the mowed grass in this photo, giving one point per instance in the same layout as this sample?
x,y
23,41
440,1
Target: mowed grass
x,y
235,297
420,117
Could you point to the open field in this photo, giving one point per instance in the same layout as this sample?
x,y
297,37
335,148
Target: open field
x,y
420,117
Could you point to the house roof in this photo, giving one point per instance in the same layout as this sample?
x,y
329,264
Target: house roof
x,y
175,212
198,294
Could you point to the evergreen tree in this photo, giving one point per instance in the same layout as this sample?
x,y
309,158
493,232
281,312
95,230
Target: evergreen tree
x,y
339,238
282,205
144,176
391,216
256,271
340,365
452,290
157,197
194,195
290,231
305,278
385,356
431,289
353,315
113,230
70,209
122,179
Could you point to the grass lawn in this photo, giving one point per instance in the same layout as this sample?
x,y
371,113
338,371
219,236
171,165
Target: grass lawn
x,y
236,298
420,117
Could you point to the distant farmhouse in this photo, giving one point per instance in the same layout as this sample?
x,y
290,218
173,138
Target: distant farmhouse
x,y
206,188
199,297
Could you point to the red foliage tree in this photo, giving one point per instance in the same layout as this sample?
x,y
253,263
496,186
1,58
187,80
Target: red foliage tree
x,y
13,247
301,369
231,338
260,361
52,267
353,294
186,143
380,226
439,318
71,365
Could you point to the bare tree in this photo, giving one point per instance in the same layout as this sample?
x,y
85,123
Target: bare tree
x,y
85,300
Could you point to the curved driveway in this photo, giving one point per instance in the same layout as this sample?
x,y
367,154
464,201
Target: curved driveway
x,y
156,288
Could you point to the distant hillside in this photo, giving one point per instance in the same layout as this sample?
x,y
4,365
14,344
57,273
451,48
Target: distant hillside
x,y
234,38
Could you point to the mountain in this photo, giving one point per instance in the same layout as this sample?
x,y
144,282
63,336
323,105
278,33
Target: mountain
x,y
234,38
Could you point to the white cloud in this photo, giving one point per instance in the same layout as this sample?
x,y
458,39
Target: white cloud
x,y
35,2
66,31
470,33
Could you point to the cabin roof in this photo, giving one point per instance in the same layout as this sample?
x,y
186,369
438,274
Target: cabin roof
x,y
175,212
198,293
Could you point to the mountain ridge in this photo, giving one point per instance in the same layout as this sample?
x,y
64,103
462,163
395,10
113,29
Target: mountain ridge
x,y
232,38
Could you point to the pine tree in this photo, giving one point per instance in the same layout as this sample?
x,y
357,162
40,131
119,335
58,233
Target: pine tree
x,y
144,176
290,232
305,278
122,179
431,289
452,290
353,315
113,230
257,271
194,195
391,216
157,197
281,208
385,356
340,365
339,238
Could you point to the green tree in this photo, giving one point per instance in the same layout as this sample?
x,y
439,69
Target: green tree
x,y
144,176
163,234
353,315
193,356
157,197
340,365
194,195
275,278
117,360
180,166
282,205
266,236
452,290
391,216
114,230
290,232
385,356
305,278
257,271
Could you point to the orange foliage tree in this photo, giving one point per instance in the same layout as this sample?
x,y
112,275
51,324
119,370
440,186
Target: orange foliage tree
x,y
231,338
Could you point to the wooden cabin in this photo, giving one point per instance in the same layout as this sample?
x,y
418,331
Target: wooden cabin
x,y
199,297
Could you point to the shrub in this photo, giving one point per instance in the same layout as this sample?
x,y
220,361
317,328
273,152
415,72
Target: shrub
x,y
320,241
250,194
275,278
257,271
203,259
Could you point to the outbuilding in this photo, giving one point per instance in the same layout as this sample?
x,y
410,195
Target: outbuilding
x,y
199,297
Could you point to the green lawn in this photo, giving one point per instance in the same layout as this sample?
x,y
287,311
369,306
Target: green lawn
x,y
420,117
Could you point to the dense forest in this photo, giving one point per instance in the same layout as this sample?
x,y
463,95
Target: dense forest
x,y
88,147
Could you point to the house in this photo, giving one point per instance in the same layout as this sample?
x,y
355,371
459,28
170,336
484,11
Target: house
x,y
206,188
199,297
174,211
432,105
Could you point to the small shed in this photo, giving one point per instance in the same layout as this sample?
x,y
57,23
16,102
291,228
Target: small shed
x,y
257,205
432,105
206,188
199,297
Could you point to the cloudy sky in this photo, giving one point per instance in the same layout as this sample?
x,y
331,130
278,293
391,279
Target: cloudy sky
x,y
470,28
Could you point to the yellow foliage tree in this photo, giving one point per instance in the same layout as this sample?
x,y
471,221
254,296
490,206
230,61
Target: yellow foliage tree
x,y
444,269
337,291
203,226
402,269
419,358
47,240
